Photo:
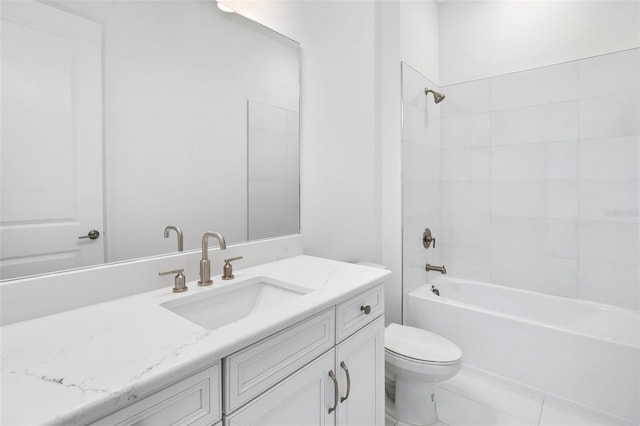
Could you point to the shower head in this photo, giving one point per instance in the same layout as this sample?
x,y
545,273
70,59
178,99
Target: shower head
x,y
437,97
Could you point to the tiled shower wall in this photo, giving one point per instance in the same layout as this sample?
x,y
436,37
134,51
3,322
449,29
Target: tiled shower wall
x,y
538,180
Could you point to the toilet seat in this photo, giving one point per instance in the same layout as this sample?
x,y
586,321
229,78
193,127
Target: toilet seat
x,y
420,346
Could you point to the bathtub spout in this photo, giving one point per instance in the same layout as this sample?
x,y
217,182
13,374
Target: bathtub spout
x,y
440,269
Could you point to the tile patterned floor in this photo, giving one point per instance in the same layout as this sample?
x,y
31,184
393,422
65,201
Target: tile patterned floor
x,y
473,398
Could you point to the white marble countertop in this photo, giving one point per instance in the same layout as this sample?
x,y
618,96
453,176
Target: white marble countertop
x,y
77,366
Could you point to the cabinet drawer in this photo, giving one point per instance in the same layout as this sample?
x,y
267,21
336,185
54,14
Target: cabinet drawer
x,y
192,401
351,315
304,398
254,369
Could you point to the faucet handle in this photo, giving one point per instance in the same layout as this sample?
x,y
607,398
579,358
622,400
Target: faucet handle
x,y
427,239
179,282
227,269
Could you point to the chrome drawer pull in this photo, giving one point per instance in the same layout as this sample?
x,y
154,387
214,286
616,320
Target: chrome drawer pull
x,y
346,370
335,391
366,309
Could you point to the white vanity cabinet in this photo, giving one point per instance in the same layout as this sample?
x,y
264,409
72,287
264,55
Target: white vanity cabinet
x,y
344,385
191,401
326,370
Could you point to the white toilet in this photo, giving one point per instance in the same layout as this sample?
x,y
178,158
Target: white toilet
x,y
414,360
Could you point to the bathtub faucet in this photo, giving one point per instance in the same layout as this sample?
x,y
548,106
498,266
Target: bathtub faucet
x,y
440,269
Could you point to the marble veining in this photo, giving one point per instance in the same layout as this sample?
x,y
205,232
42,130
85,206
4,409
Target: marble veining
x,y
79,365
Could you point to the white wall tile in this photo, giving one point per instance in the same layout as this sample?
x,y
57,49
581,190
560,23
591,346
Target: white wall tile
x,y
552,84
609,283
466,197
562,199
517,162
465,164
420,162
613,158
553,160
609,200
456,164
523,198
421,198
610,116
463,131
467,98
546,123
611,74
609,242
421,124
561,160
539,191
551,199
535,236
466,230
480,164
551,275
467,262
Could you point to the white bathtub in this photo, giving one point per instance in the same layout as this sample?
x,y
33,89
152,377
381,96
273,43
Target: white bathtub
x,y
577,350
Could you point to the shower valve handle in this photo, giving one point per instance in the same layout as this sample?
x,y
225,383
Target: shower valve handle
x,y
427,239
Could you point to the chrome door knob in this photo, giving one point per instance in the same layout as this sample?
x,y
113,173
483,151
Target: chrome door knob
x,y
92,235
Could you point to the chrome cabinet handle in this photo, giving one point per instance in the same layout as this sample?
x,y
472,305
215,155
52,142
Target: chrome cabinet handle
x,y
346,370
366,309
92,235
335,391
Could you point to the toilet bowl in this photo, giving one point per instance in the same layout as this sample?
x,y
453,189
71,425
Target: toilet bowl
x,y
414,360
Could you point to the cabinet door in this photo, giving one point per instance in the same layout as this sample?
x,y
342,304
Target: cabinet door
x,y
304,399
360,369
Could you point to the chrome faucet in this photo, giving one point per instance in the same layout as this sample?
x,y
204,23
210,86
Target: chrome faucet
x,y
178,232
440,269
205,263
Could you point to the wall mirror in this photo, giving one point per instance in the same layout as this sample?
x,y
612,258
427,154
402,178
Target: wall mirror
x,y
124,117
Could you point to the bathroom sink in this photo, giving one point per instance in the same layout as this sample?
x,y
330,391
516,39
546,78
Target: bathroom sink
x,y
224,305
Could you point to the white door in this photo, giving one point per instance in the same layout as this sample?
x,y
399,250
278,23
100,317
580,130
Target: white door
x,y
51,140
304,399
360,367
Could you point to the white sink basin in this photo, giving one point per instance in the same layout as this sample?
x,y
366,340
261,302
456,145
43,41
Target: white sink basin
x,y
224,305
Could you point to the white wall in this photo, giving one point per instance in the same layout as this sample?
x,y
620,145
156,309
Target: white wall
x,y
420,36
481,39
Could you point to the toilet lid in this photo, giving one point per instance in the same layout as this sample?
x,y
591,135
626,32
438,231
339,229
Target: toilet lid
x,y
420,345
